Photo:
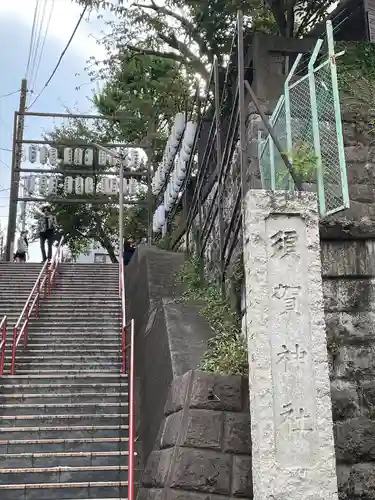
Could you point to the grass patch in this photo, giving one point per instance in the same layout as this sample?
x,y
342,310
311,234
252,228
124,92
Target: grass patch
x,y
227,352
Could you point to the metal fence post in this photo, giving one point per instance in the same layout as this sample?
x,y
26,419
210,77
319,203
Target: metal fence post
x,y
315,128
219,197
336,103
241,103
288,117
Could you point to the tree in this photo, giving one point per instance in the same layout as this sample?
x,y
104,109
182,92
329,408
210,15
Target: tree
x,y
192,32
145,91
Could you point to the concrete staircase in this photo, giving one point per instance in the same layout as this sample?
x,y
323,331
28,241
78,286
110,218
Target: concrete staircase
x,y
63,416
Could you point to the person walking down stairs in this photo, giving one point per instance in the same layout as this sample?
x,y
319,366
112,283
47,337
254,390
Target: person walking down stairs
x,y
46,231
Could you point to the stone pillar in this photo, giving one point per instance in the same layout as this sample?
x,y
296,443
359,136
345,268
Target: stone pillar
x,y
291,415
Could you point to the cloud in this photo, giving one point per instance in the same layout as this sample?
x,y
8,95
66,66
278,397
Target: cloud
x,y
64,18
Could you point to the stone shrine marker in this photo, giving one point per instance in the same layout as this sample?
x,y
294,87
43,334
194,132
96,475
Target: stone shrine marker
x,y
291,414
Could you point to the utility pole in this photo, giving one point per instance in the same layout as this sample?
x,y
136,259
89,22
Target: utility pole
x,y
18,129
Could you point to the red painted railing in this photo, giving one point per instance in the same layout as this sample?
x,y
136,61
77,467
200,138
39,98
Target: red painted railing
x,y
43,282
3,331
124,327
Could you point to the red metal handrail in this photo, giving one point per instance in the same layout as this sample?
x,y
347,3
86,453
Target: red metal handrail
x,y
131,416
3,330
124,327
123,311
43,282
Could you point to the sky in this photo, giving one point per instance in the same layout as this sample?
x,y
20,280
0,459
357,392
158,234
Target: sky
x,y
16,19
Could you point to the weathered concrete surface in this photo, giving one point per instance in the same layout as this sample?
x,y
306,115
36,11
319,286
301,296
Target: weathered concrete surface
x,y
171,337
291,414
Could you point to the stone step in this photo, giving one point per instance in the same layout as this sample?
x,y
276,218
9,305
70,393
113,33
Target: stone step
x,y
58,475
42,409
77,347
93,397
69,350
65,433
73,388
65,419
104,445
66,359
81,322
63,459
64,378
57,330
111,490
46,372
68,366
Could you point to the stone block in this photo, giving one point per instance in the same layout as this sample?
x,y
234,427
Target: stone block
x,y
350,327
362,482
202,470
204,429
172,428
237,433
355,362
357,154
368,394
348,295
177,393
157,467
355,440
216,392
345,400
242,480
150,494
191,495
348,258
343,477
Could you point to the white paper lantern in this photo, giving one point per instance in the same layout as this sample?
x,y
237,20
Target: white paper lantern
x,y
68,185
89,185
102,158
43,185
68,156
179,124
189,134
52,154
78,156
33,152
106,185
89,157
114,185
79,185
52,185
43,155
29,183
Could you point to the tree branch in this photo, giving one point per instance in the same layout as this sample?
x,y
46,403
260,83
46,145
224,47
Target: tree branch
x,y
189,27
151,52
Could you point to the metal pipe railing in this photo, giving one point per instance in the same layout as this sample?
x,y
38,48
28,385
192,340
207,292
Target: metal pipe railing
x,y
3,331
131,485
43,282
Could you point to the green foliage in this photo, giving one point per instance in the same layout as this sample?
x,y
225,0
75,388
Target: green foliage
x,y
227,353
358,61
192,32
304,162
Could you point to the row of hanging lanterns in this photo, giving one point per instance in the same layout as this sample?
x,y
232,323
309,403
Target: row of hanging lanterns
x,y
164,166
177,177
45,185
80,156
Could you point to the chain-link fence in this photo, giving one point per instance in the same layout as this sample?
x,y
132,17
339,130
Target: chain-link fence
x,y
307,124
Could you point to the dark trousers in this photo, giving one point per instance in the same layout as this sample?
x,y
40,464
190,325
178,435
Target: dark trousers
x,y
43,238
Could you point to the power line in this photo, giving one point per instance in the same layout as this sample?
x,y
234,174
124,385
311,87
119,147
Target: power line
x,y
10,93
6,149
36,9
43,43
61,56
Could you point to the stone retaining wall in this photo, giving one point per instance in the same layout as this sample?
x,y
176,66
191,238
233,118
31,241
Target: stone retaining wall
x,y
203,450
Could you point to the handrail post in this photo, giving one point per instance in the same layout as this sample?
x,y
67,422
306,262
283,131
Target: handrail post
x,y
4,340
14,347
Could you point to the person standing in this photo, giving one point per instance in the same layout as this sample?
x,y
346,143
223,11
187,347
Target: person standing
x,y
22,247
128,251
46,230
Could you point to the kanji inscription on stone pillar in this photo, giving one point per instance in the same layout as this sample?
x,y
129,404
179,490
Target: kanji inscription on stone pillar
x,y
291,412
